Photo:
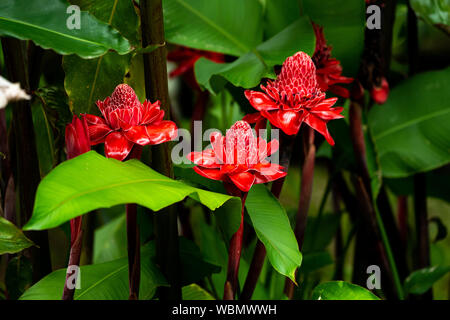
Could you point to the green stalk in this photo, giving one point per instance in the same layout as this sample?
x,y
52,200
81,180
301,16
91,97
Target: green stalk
x,y
390,256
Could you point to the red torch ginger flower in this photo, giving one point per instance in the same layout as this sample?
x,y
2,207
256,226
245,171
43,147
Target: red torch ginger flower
x,y
294,97
77,137
328,69
126,122
238,158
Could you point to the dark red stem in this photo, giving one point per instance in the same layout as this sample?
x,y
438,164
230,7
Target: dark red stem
x,y
133,240
134,252
305,197
74,257
234,258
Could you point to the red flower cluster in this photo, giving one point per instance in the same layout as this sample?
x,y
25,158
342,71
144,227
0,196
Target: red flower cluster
x,y
328,69
126,122
238,158
293,98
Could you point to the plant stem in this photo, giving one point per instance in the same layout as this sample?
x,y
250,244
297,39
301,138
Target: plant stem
x,y
156,88
375,223
384,237
259,255
305,197
234,257
74,257
133,239
134,252
24,160
402,213
421,221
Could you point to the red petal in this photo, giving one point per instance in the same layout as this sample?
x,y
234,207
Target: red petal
x,y
91,119
217,139
213,174
340,91
137,134
77,137
243,181
98,133
162,132
260,101
117,146
287,120
204,158
253,117
272,147
267,172
320,126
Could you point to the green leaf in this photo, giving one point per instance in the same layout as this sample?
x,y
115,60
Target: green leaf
x,y
91,181
109,240
248,70
341,290
272,227
12,240
19,276
51,114
104,281
435,12
214,25
45,22
437,184
110,244
193,266
410,131
320,232
90,80
315,261
422,280
278,14
344,22
120,15
195,292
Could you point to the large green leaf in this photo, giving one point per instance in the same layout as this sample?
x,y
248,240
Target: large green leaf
x,y
12,240
109,240
45,22
341,290
435,12
110,244
410,130
278,14
195,292
344,23
422,280
90,80
248,70
233,27
91,181
104,281
272,227
119,14
19,276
